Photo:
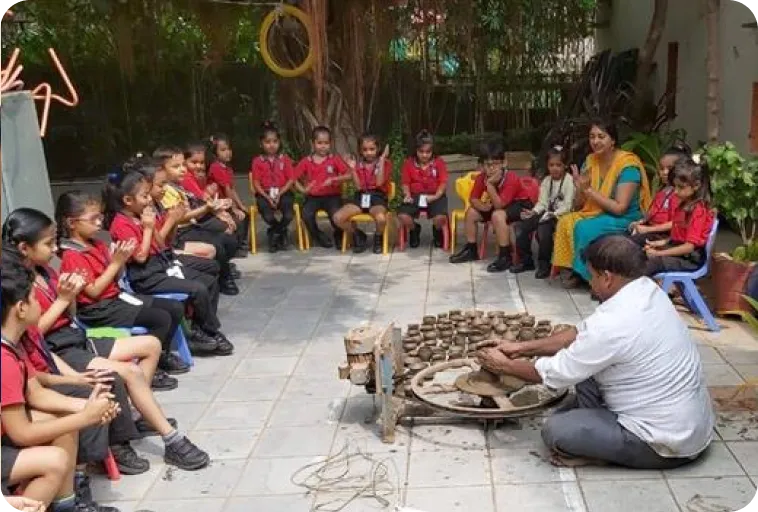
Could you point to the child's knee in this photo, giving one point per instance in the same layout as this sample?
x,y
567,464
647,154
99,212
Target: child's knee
x,y
499,217
380,218
440,221
152,345
57,462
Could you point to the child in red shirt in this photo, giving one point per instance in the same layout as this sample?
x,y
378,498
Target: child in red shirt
x,y
221,174
657,223
371,176
39,427
692,222
272,177
320,177
498,197
424,180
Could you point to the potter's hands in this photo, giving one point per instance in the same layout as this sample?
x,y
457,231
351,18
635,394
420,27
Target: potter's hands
x,y
25,504
494,360
511,349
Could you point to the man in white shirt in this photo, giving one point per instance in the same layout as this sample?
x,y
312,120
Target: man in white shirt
x,y
641,399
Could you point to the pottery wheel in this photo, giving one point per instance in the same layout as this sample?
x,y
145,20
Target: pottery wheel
x,y
460,387
484,383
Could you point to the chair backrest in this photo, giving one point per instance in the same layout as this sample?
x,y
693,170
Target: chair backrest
x,y
710,242
464,185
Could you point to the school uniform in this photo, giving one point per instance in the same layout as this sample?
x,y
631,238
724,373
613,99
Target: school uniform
x,y
223,175
93,441
556,198
161,274
204,265
661,211
370,191
321,196
114,308
424,181
690,224
272,174
512,193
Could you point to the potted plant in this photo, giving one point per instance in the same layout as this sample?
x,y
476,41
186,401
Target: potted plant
x,y
734,184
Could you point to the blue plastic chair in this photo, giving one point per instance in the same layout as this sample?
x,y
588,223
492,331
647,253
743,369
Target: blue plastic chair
x,y
685,281
180,340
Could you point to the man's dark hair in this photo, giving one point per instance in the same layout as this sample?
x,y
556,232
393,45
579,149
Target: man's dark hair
x,y
616,254
16,281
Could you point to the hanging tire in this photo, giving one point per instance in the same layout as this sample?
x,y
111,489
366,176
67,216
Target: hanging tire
x,y
268,23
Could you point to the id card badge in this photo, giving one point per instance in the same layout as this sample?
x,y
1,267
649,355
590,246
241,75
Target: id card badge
x,y
422,201
175,271
130,299
273,192
365,200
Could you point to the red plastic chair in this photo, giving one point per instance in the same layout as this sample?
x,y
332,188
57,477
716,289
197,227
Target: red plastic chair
x,y
111,468
403,233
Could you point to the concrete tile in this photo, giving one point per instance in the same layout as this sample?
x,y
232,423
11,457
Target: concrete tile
x,y
739,355
243,389
132,488
746,453
186,414
709,355
304,413
274,476
215,367
193,390
696,494
461,499
216,481
555,497
229,444
368,438
721,375
206,505
266,366
305,388
447,437
281,348
737,426
629,496
295,441
122,506
523,465
613,473
235,415
522,433
749,372
318,365
460,468
717,461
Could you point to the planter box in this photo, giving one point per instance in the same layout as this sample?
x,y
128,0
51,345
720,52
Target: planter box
x,y
729,284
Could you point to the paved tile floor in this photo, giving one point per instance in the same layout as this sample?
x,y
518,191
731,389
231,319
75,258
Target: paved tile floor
x,y
277,405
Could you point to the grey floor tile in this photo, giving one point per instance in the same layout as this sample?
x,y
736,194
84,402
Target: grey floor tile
x,y
205,505
281,348
616,473
186,414
709,355
447,437
306,388
368,438
216,481
266,366
263,477
629,496
295,441
747,455
132,488
446,499
706,494
122,506
459,468
235,415
192,389
227,444
522,433
527,466
555,497
304,413
247,389
717,461
721,375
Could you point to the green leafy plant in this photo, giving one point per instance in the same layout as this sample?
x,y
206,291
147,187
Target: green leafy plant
x,y
749,318
650,148
734,184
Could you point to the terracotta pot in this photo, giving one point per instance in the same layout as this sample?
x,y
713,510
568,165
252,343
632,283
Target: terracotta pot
x,y
729,280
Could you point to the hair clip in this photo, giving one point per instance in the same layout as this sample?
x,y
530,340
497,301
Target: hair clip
x,y
697,158
558,148
139,154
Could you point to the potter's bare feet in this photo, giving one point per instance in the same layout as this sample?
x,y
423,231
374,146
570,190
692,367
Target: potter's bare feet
x,y
565,461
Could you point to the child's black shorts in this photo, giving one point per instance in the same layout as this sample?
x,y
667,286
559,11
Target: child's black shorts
x,y
8,455
377,199
433,209
72,345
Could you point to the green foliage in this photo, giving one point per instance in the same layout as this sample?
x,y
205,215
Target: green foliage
x,y
650,147
751,319
734,184
746,253
397,155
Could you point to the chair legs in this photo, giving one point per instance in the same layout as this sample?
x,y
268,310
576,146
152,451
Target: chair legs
x,y
698,305
111,468
253,233
180,340
446,236
485,240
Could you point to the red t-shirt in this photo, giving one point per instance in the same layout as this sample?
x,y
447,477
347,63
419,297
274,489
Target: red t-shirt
x,y
191,184
509,189
91,262
12,384
424,179
272,172
317,174
222,175
693,226
46,295
33,343
664,204
124,229
367,174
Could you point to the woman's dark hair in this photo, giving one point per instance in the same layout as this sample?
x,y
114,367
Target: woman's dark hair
x,y
423,138
607,126
688,172
17,283
24,225
269,128
556,151
71,204
616,254
214,140
117,187
320,130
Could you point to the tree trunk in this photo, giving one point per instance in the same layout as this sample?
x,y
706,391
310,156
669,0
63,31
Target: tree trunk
x,y
713,100
646,58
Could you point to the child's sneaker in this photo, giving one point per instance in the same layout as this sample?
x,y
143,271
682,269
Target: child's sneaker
x,y
201,344
127,460
378,243
185,455
163,382
415,236
224,347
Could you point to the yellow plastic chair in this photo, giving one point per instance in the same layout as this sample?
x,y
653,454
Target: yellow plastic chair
x,y
253,212
365,217
303,238
463,187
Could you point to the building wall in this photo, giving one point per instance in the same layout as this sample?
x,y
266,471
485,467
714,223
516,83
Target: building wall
x,y
629,23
